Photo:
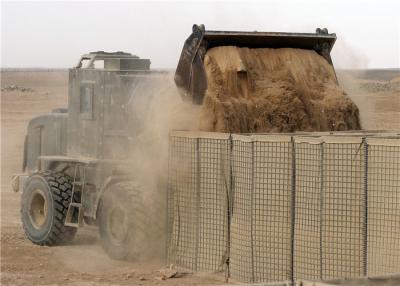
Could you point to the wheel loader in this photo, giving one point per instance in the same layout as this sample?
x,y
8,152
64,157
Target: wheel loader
x,y
75,168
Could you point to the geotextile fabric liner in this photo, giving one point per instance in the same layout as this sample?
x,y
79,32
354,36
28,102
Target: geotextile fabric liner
x,y
266,208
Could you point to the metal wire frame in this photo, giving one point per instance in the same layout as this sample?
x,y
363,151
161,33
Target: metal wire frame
x,y
299,209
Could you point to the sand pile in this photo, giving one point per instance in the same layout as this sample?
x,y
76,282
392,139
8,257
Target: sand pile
x,y
273,90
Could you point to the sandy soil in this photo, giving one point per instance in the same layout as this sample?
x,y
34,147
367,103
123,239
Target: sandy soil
x,y
273,90
84,262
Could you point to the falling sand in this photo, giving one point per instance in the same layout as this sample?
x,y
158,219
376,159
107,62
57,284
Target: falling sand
x,y
273,90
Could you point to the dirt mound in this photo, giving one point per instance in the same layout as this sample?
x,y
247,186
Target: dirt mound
x,y
14,87
273,90
382,86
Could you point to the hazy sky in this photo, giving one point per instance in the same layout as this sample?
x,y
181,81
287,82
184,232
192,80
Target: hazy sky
x,y
55,34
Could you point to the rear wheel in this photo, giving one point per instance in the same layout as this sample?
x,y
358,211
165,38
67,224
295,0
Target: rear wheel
x,y
44,206
122,223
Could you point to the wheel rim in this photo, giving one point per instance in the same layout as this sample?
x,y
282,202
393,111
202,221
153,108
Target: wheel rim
x,y
38,209
118,226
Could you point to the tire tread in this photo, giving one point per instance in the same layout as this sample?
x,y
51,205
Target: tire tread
x,y
61,191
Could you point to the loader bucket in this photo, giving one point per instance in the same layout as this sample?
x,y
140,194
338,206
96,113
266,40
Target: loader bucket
x,y
190,75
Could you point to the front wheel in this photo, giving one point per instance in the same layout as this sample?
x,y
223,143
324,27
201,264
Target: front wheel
x,y
44,205
122,223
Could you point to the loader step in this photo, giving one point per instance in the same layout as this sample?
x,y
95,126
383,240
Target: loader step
x,y
72,224
76,205
72,221
74,217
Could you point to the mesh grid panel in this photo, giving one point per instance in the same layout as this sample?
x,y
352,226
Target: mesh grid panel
x,y
182,202
272,211
343,210
307,247
241,251
213,204
383,208
198,203
261,219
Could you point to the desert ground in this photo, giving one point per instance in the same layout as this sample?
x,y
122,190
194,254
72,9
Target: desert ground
x,y
26,94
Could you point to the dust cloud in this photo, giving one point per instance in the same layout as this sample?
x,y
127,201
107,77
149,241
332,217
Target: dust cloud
x,y
156,108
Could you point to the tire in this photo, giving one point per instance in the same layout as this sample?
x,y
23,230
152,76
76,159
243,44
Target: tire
x,y
123,224
44,204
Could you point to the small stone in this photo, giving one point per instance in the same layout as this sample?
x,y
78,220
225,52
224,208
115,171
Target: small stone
x,y
142,278
129,275
167,273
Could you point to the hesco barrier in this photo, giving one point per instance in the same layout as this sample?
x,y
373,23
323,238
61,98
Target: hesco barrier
x,y
266,208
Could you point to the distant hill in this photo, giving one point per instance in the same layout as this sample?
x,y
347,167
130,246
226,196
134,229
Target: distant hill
x,y
367,74
32,69
373,74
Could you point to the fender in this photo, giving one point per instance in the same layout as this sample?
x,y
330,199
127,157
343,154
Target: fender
x,y
108,183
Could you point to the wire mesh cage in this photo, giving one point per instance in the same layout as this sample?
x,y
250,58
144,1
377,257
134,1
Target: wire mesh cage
x,y
265,208
261,212
198,191
343,208
383,205
307,225
182,202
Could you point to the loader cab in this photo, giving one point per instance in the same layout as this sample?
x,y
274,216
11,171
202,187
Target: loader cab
x,y
100,88
118,61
